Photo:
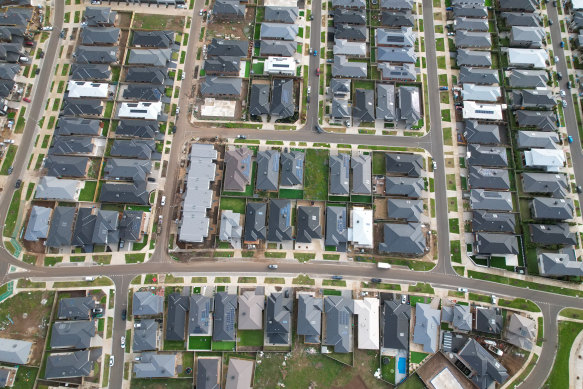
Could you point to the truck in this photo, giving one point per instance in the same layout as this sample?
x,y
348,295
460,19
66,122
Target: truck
x,y
383,265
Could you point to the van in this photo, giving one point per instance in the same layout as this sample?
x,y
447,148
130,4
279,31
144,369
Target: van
x,y
383,265
89,278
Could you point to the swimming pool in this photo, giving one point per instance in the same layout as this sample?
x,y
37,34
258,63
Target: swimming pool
x,y
402,365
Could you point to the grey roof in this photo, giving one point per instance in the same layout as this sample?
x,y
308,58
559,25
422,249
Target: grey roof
x,y
99,16
38,223
282,98
363,105
478,76
239,373
147,304
224,317
340,86
559,265
339,311
493,221
396,54
80,107
397,4
481,92
519,5
409,104
75,308
462,318
405,72
405,209
96,54
281,48
554,184
522,19
361,173
343,68
72,334
68,145
77,126
207,373
64,166
148,74
349,16
152,365
427,325
485,367
230,226
339,174
406,164
479,40
348,3
345,47
199,314
143,92
228,9
292,168
130,193
16,16
396,324
8,71
537,139
576,21
404,186
6,87
543,120
521,331
106,228
309,317
467,57
489,320
238,169
251,306
259,99
228,47
552,209
176,317
403,239
255,216
221,86
340,109
152,57
475,132
99,35
281,14
5,374
490,200
137,128
84,227
470,24
336,228
278,317
527,36
222,65
527,98
130,225
133,148
279,31
10,52
267,170
280,214
403,37
309,226
523,78
68,365
14,351
134,170
481,155
397,19
160,39
61,231
496,244
552,234
52,188
145,336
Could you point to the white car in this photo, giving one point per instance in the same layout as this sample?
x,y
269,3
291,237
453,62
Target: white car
x,y
404,299
556,59
434,165
49,28
183,76
562,93
309,89
123,342
463,290
177,111
163,201
200,13
564,103
111,360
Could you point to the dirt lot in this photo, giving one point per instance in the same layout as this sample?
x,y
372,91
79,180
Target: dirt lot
x,y
158,22
233,29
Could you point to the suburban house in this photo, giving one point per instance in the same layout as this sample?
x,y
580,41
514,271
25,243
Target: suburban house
x,y
75,308
462,318
282,98
259,100
267,170
367,311
251,306
532,37
521,331
279,226
406,239
239,373
255,226
385,108
228,10
309,324
152,365
552,209
395,324
149,38
488,320
487,243
199,315
292,169
484,368
224,317
145,336
410,187
476,132
363,106
339,174
478,76
231,230
490,200
339,311
68,365
176,317
147,304
223,87
15,351
552,234
493,221
309,227
427,325
337,228
238,169
90,72
278,317
361,166
99,36
559,264
228,48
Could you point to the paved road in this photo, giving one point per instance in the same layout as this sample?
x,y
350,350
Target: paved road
x,y
121,302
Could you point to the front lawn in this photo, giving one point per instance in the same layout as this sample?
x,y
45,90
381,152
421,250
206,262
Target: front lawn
x,y
559,377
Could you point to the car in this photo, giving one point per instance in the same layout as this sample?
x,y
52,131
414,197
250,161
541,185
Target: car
x,y
308,99
562,93
151,179
124,314
434,164
10,169
569,85
18,183
570,139
183,76
311,17
463,290
181,6
318,129
494,299
579,189
309,89
29,43
315,53
48,28
317,71
556,59
562,44
42,54
272,267
443,88
26,99
97,310
111,360
450,33
564,102
37,71
336,277
174,129
200,13
177,111
404,299
241,136
311,51
123,342
550,22
559,75
376,280
121,244
163,201
554,3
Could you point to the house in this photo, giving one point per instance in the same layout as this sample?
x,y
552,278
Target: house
x,y
487,243
480,133
224,317
6,88
15,351
140,110
544,159
524,78
99,17
199,315
121,169
407,239
361,174
473,110
71,145
82,107
136,128
152,365
405,164
280,48
470,24
176,317
409,105
519,5
474,40
405,209
75,308
481,155
397,19
12,16
9,71
224,87
480,92
145,335
478,76
68,365
228,10
99,36
403,37
395,323
462,318
474,58
52,188
339,174
363,106
280,65
336,228
61,228
340,110
309,324
282,98
90,72
528,58
38,224
231,230
77,126
349,49
133,148
535,98
340,87
559,265
401,55
404,186
279,31
148,74
150,38
556,185
255,228
150,57
532,37
552,234
309,227
349,16
397,4
490,200
84,228
339,311
222,66
342,68
537,140
362,227
267,170
427,325
367,311
542,120
278,317
488,320
385,108
470,10
259,100
238,169
281,14
493,221
484,368
350,4
142,92
239,373
228,48
292,168
11,52
522,19
131,226
147,304
521,332
280,215
405,72
251,305
96,54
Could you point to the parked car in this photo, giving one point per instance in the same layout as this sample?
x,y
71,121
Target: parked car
x,y
151,179
404,299
18,183
272,267
559,75
123,342
26,99
163,201
443,88
376,280
562,44
309,89
579,189
241,136
562,93
554,3
10,169
564,102
124,314
111,360
317,71
570,139
569,85
336,277
200,13
550,22
556,59
463,290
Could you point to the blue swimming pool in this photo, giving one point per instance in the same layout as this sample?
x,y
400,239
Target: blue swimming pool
x,y
402,365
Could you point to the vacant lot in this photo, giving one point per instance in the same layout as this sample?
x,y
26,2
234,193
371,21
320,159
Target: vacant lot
x,y
316,182
158,22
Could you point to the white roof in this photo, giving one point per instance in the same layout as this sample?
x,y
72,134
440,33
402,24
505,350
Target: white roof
x,y
473,110
368,323
362,226
445,380
577,4
88,89
528,57
551,160
280,64
148,111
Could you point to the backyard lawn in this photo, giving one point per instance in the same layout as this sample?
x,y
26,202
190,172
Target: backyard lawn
x,y
250,338
199,342
234,204
316,182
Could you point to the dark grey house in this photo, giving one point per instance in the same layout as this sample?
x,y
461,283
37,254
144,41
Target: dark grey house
x,y
490,200
349,16
222,66
339,174
238,169
478,76
149,74
407,239
339,311
255,228
487,243
227,87
176,317
267,170
542,120
395,325
149,38
493,221
281,14
488,178
553,184
309,324
410,165
552,234
64,166
309,226
129,193
99,36
277,48
228,47
259,100
363,106
552,209
208,373
489,320
61,228
282,98
361,166
145,335
68,365
484,368
199,314
224,317
292,168
71,145
486,134
405,209
410,187
90,72
133,148
537,140
280,214
72,334
136,128
278,316
228,9
75,308
397,19
480,155
96,54
336,228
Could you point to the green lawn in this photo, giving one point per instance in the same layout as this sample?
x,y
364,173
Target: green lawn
x,y
519,303
417,357
199,342
250,338
572,313
316,182
223,346
13,212
234,204
303,279
421,287
156,383
135,258
88,191
8,159
25,377
378,163
559,377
